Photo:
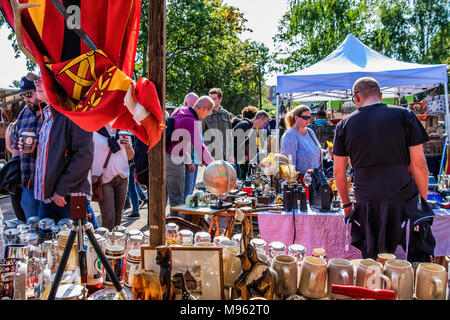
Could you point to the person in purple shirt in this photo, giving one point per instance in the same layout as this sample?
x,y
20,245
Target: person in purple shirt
x,y
185,136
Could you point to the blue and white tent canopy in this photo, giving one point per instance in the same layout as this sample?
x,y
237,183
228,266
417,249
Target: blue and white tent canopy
x,y
332,78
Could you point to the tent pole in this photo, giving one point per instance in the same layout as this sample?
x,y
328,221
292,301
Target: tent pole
x,y
278,111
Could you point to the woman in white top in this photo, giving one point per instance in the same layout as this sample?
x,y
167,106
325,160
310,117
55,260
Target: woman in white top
x,y
115,175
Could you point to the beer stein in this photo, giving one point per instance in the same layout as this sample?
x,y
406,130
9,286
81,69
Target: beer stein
x,y
231,265
287,270
431,280
313,277
172,234
340,272
369,274
402,278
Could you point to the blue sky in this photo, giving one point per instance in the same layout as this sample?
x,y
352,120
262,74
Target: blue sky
x,y
262,16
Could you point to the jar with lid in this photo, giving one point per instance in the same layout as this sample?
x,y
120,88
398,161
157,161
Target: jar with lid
x,y
120,229
237,237
146,236
132,265
218,239
276,248
202,236
11,236
134,232
94,267
298,251
186,237
116,238
135,242
172,234
65,222
320,253
34,221
115,256
101,231
260,245
72,261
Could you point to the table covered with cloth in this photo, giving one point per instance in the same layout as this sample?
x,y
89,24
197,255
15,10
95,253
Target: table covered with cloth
x,y
327,230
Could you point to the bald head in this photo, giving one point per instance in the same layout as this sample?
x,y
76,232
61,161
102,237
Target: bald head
x,y
203,106
366,90
190,99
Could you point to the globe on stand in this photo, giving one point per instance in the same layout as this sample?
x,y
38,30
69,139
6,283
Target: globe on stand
x,y
220,178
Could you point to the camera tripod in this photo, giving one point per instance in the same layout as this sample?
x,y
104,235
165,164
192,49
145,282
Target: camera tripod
x,y
79,217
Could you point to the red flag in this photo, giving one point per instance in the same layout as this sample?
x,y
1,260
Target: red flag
x,y
89,86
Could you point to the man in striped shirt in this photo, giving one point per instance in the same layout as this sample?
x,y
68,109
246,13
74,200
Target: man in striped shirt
x,y
29,120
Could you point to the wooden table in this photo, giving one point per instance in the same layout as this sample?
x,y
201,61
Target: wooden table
x,y
228,213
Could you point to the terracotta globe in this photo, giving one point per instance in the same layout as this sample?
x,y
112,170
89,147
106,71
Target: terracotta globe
x,y
219,177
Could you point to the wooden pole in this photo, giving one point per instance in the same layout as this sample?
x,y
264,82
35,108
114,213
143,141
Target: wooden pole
x,y
157,155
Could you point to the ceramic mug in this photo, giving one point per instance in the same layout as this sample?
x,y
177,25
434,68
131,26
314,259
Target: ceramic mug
x,y
383,257
340,271
402,278
287,269
431,281
369,274
231,265
313,277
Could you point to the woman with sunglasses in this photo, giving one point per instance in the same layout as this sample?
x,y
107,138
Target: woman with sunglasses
x,y
300,142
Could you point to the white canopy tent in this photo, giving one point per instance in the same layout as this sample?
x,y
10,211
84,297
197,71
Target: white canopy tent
x,y
332,78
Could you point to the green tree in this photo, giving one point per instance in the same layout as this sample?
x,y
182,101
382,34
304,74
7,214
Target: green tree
x,y
312,29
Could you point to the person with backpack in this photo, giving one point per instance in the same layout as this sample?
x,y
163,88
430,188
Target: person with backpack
x,y
184,136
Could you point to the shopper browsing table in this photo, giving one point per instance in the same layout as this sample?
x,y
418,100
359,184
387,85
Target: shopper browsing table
x,y
384,145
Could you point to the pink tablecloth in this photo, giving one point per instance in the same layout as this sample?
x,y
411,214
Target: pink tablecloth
x,y
328,231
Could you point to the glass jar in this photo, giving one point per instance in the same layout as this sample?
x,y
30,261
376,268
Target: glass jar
x,y
260,245
46,223
320,253
11,236
218,239
55,230
50,253
115,255
33,239
94,267
34,221
66,222
146,237
72,261
121,229
116,238
172,234
237,237
227,243
132,265
298,251
101,231
276,248
135,242
202,236
186,237
134,232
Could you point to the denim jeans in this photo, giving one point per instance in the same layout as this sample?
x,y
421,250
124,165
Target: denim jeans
x,y
189,181
132,192
29,204
53,211
90,211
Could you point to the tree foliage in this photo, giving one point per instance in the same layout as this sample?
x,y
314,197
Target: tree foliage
x,y
408,30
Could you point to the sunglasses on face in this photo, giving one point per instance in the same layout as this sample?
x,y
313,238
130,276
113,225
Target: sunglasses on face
x,y
26,94
305,117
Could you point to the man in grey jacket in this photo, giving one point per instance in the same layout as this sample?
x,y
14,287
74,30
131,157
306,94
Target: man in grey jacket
x,y
63,160
220,120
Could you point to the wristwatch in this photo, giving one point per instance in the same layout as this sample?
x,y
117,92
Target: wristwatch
x,y
347,205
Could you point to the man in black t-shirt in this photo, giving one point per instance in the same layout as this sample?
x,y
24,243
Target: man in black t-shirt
x,y
384,146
